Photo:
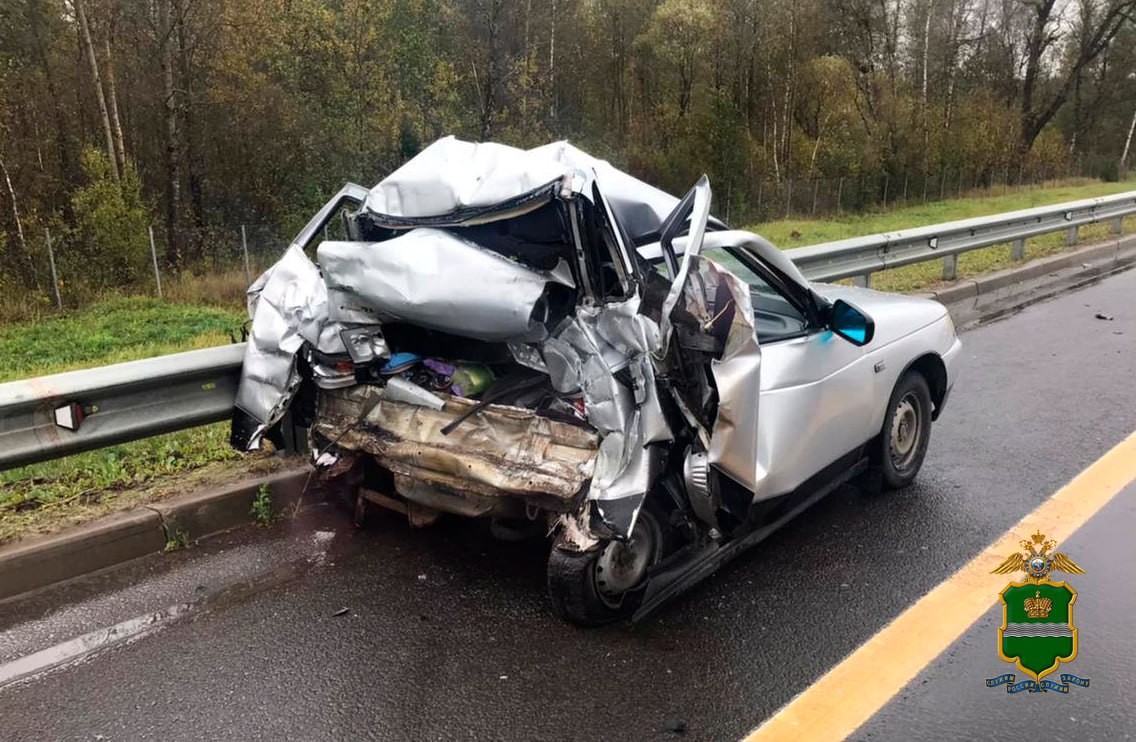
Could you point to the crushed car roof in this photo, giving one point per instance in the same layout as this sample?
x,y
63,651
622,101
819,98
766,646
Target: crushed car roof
x,y
455,177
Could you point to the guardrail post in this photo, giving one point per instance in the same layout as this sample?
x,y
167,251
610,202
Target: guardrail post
x,y
950,267
1071,236
1018,251
864,281
1118,225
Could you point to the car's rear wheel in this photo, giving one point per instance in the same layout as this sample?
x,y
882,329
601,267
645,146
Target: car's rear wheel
x,y
902,444
606,584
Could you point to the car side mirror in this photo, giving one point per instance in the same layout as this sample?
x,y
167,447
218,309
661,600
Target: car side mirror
x,y
851,324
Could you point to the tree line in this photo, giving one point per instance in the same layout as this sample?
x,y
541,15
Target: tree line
x,y
189,114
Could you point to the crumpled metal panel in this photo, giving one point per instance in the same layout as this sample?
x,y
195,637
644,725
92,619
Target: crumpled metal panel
x,y
737,374
606,352
586,353
288,305
639,207
699,214
451,175
437,280
501,451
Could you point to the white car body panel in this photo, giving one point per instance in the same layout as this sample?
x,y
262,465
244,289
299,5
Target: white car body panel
x,y
823,397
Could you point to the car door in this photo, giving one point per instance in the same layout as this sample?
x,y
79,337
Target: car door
x,y
817,393
720,302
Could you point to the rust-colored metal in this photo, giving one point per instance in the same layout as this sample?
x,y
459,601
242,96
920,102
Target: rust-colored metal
x,y
500,452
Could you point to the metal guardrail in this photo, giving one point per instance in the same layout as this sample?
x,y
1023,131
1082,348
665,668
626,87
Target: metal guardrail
x,y
859,257
54,416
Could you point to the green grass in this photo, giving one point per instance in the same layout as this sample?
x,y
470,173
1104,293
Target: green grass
x,y
120,329
791,233
42,497
261,510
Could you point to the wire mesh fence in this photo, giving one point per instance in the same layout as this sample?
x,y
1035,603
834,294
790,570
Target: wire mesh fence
x,y
209,264
805,199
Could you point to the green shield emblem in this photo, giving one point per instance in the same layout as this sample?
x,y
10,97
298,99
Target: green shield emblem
x,y
1037,626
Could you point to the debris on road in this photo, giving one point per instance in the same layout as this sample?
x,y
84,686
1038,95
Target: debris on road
x,y
1101,315
341,612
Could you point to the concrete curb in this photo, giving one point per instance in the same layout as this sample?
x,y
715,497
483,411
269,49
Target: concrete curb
x,y
1003,292
39,562
205,513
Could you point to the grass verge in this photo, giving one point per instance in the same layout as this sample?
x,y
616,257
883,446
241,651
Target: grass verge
x,y
120,329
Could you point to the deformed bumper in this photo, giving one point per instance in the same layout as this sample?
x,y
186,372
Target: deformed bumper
x,y
501,452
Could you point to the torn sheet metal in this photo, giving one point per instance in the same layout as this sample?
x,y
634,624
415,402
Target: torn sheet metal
x,y
437,280
699,214
639,207
452,176
501,451
288,307
605,352
716,296
475,182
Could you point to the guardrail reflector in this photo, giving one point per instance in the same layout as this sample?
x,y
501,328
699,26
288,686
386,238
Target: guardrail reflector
x,y
69,416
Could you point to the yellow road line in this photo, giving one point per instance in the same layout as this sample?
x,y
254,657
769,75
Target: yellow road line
x,y
852,692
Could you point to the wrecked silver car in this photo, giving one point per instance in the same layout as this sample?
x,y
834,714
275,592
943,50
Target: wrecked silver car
x,y
537,338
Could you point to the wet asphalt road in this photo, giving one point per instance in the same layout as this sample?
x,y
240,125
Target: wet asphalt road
x,y
448,634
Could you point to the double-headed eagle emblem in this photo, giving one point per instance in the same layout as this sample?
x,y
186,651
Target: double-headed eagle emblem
x,y
1038,560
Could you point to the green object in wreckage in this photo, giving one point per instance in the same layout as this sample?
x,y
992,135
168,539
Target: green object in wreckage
x,y
471,379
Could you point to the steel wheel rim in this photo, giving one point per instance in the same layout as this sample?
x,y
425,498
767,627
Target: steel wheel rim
x,y
622,566
906,431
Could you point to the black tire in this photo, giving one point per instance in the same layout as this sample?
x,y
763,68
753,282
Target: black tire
x,y
899,450
577,586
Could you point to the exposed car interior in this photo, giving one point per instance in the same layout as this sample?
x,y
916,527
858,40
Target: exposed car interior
x,y
775,317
